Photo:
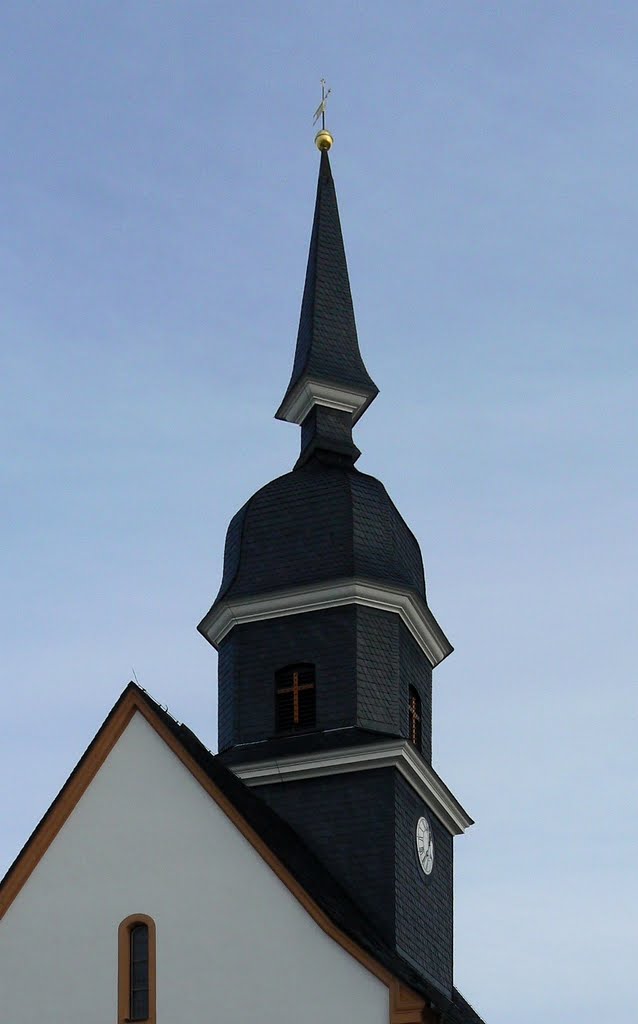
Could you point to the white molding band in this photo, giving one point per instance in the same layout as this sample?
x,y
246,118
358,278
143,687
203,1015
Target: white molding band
x,y
309,393
399,754
413,612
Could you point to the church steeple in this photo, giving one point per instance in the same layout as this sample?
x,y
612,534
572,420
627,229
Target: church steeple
x,y
327,644
329,388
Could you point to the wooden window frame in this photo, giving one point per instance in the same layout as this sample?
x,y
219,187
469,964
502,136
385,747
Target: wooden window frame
x,y
415,718
124,968
296,688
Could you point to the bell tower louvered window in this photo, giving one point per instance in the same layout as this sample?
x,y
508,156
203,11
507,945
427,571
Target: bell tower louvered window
x,y
295,697
414,717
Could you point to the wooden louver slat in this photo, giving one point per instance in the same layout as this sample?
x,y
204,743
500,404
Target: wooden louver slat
x,y
295,697
414,717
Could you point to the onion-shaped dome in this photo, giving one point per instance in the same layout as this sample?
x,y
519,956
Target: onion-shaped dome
x,y
316,524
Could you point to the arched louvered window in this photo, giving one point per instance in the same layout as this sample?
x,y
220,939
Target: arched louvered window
x,y
414,717
136,981
295,694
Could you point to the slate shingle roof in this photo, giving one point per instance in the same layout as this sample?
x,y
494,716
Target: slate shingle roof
x,y
316,524
327,346
297,744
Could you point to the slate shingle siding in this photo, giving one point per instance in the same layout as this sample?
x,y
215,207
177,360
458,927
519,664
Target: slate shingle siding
x,y
378,684
253,652
331,424
416,671
389,661
424,906
226,695
362,826
364,659
348,822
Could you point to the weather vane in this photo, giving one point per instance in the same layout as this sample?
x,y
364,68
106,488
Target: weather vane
x,y
320,112
323,138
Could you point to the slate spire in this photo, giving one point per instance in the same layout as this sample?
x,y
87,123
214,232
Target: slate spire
x,y
329,387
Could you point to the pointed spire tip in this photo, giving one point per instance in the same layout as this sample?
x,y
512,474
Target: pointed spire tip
x,y
328,369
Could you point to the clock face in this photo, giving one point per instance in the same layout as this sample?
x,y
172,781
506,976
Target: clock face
x,y
425,845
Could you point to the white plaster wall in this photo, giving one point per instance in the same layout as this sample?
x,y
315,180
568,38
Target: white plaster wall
x,y
233,944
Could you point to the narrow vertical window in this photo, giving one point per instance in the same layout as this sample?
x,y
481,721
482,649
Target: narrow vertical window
x,y
138,1009
295,697
136,969
414,717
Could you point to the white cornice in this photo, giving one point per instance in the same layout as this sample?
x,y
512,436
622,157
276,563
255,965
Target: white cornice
x,y
412,611
393,753
308,393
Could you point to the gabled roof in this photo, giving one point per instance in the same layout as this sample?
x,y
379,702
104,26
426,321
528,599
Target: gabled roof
x,y
279,845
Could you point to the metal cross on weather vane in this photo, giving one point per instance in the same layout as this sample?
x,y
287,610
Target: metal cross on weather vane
x,y
320,112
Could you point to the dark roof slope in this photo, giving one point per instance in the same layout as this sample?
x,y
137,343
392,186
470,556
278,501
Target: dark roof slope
x,y
310,872
296,745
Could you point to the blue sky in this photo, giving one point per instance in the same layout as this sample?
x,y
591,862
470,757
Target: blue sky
x,y
158,179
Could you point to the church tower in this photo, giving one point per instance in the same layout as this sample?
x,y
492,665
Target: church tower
x,y
327,644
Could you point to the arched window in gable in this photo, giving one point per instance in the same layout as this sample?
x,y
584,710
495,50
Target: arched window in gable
x,y
136,969
414,717
295,697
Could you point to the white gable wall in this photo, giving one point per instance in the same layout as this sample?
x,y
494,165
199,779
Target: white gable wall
x,y
232,942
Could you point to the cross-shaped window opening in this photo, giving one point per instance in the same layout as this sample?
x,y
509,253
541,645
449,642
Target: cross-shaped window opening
x,y
295,697
414,716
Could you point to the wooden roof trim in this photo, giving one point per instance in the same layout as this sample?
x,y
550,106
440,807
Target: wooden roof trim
x,y
405,1006
65,802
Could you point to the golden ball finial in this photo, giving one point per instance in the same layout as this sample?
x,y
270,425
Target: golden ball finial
x,y
323,140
